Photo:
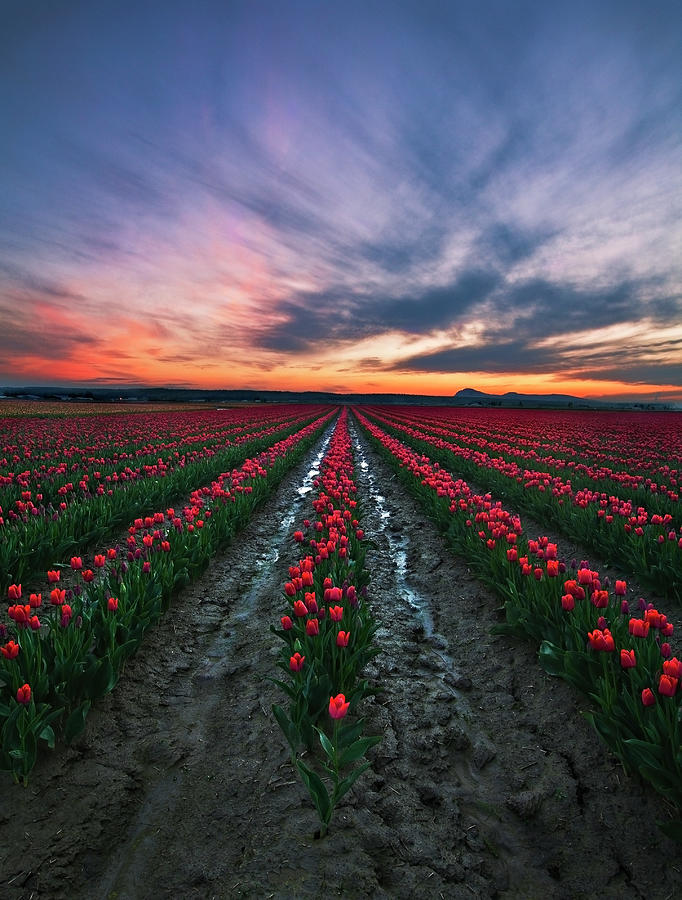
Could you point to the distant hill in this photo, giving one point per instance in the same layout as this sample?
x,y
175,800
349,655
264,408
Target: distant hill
x,y
512,399
466,397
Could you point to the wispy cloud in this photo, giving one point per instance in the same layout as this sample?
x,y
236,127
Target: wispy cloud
x,y
240,191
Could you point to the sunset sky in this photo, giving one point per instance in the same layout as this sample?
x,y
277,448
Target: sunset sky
x,y
348,196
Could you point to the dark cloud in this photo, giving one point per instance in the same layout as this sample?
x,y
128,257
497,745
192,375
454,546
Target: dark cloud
x,y
505,244
333,316
551,310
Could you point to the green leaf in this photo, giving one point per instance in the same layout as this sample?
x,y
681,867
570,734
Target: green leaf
x,y
76,721
551,659
673,830
291,732
47,735
317,790
327,745
358,749
287,688
103,681
349,781
349,733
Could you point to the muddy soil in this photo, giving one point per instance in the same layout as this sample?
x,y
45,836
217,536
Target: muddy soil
x,y
487,783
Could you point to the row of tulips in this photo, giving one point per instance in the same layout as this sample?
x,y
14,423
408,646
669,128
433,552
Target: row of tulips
x,y
29,544
327,635
639,453
62,652
649,546
617,652
62,459
563,467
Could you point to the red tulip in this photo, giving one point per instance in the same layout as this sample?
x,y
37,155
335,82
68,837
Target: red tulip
x,y
600,599
342,638
296,662
336,613
76,562
24,694
312,627
99,561
14,592
338,707
648,697
287,624
567,602
57,596
53,576
627,659
673,667
112,604
667,686
300,609
620,588
638,628
10,650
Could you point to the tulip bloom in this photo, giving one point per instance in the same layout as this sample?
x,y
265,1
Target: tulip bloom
x,y
287,624
10,650
600,599
87,575
673,667
24,694
667,686
76,563
638,628
312,627
567,602
57,596
296,662
620,588
99,561
627,659
601,640
336,613
338,707
300,609
112,604
342,638
53,576
14,592
648,698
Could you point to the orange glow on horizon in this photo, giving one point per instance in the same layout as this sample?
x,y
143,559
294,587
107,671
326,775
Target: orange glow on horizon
x,y
118,367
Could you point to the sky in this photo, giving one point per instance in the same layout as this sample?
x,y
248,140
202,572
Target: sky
x,y
412,197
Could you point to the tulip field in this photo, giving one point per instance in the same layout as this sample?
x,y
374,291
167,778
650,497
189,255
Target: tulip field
x,y
425,639
68,488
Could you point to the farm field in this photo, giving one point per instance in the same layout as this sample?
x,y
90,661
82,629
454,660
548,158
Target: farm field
x,y
488,779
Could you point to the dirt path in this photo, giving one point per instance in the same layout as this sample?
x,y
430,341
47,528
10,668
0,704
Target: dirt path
x,y
487,781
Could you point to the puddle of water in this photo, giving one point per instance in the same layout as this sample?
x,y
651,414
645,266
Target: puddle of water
x,y
398,545
262,570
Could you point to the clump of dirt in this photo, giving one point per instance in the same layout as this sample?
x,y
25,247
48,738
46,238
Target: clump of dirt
x,y
487,782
